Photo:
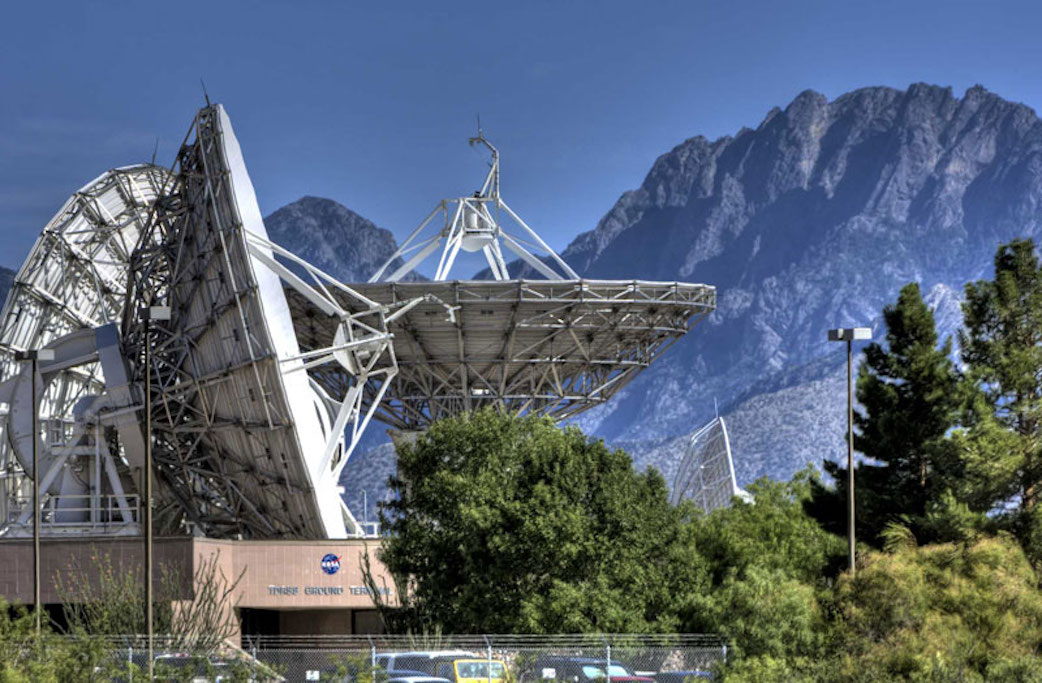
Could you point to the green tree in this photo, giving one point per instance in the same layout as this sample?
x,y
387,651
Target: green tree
x,y
943,612
959,612
910,398
509,524
1002,345
767,562
49,657
23,657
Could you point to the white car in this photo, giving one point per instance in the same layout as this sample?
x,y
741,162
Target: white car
x,y
414,677
419,663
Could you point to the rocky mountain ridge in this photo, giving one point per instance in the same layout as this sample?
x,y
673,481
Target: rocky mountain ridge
x,y
332,237
813,220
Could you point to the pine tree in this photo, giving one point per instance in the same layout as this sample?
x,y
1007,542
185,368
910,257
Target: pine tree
x,y
1002,346
909,392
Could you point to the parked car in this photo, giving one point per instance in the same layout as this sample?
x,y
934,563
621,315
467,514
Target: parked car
x,y
352,671
472,670
682,676
180,666
414,677
581,670
351,674
416,663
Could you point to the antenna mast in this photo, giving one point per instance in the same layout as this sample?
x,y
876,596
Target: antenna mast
x,y
473,224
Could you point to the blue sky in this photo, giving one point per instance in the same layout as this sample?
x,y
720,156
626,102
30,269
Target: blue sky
x,y
370,104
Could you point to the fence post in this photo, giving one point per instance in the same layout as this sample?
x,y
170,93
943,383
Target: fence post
x,y
372,655
607,666
130,662
488,644
724,648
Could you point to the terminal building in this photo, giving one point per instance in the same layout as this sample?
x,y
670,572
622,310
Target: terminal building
x,y
156,339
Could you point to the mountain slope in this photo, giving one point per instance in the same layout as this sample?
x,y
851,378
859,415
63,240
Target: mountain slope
x,y
812,220
332,237
6,280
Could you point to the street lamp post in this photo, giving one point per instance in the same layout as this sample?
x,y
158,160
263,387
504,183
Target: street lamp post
x,y
849,334
148,315
35,356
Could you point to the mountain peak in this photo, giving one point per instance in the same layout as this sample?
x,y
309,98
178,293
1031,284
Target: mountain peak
x,y
808,99
815,218
312,206
332,237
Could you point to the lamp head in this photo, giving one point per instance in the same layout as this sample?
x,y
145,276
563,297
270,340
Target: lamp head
x,y
850,334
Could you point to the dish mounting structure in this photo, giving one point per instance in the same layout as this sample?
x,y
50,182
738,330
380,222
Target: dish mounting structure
x,y
473,224
554,346
68,297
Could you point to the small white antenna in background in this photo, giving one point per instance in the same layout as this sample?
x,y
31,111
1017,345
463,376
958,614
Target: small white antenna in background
x,y
706,473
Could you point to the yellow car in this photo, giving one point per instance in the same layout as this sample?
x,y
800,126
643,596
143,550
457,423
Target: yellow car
x,y
472,671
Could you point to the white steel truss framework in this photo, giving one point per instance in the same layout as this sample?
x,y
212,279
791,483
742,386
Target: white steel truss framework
x,y
475,224
549,347
556,346
66,297
246,442
706,474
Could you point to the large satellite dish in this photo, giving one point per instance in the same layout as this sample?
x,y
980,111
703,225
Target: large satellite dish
x,y
553,346
67,296
706,473
247,443
269,370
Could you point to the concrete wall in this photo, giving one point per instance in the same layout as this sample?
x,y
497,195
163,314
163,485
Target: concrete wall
x,y
277,575
74,558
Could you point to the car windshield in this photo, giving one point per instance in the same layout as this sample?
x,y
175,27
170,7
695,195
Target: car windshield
x,y
176,661
414,663
478,669
598,671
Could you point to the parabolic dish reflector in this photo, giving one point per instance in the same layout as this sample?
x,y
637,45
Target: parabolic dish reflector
x,y
73,283
554,347
706,473
245,442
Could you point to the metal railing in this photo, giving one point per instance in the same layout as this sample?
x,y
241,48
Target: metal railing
x,y
78,511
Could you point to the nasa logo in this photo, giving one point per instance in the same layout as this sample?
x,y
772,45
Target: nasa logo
x,y
330,563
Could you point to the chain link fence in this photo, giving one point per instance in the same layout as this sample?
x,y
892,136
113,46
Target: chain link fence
x,y
632,658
